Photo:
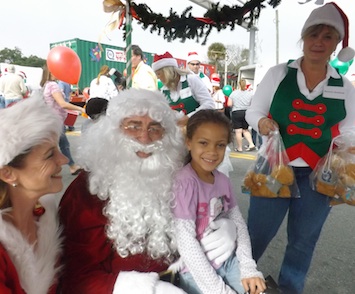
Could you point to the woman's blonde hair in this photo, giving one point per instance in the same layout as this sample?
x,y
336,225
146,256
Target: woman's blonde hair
x,y
103,72
172,75
318,28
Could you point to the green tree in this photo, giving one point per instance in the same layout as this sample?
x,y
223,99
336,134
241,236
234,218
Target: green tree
x,y
215,53
15,56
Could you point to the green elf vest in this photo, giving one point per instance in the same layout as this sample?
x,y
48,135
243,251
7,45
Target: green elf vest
x,y
186,101
307,127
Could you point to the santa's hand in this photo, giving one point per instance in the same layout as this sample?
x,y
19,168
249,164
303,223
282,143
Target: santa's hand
x,y
165,287
220,243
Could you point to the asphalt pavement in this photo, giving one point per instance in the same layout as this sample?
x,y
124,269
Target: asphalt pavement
x,y
333,266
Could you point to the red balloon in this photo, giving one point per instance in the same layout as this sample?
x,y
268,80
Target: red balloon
x,y
86,93
64,64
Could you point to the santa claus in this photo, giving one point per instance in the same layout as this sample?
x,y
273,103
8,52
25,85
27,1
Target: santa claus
x,y
118,233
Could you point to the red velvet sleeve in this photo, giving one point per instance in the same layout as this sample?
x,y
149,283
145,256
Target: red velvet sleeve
x,y
91,264
9,281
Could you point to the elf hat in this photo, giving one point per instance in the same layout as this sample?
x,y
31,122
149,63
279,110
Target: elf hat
x,y
332,15
163,60
216,81
191,56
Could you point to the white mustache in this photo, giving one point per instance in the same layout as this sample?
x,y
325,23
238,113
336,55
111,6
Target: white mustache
x,y
146,148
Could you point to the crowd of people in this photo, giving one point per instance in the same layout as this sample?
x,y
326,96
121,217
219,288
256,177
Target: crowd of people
x,y
152,208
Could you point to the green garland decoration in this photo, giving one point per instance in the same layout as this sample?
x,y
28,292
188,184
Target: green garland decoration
x,y
185,26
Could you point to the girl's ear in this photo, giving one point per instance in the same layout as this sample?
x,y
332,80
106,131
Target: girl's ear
x,y
7,175
188,144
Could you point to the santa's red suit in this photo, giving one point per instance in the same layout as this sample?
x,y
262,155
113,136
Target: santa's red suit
x,y
91,261
25,268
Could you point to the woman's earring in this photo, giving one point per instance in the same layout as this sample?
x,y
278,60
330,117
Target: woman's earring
x,y
14,185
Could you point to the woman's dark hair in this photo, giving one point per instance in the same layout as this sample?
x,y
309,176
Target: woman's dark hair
x,y
136,50
207,116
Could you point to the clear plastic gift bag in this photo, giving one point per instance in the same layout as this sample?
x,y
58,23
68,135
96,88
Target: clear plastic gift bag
x,y
270,175
334,175
324,177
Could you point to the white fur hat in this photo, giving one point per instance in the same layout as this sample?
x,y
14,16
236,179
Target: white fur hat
x,y
191,56
332,15
163,60
25,125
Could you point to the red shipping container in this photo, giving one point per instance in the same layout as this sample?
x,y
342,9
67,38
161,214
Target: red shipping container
x,y
71,118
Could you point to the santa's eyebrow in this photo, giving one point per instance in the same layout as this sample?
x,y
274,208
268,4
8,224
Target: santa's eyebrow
x,y
138,122
155,123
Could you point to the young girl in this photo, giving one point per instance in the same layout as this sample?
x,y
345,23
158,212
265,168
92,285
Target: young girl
x,y
203,194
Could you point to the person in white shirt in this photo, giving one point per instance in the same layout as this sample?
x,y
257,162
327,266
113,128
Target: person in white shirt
x,y
12,86
103,86
102,89
309,103
194,64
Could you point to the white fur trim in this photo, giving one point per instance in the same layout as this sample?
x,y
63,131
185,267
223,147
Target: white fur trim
x,y
135,283
346,54
177,266
164,62
35,265
192,57
24,125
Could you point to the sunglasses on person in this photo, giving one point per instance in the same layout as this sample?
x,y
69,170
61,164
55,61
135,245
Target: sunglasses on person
x,y
194,64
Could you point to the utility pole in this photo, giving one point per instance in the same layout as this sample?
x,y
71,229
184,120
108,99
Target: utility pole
x,y
252,32
277,35
226,68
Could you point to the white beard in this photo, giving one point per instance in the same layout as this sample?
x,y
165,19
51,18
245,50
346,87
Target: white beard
x,y
140,197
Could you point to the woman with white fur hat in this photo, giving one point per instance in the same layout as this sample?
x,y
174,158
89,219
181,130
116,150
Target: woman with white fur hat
x,y
30,167
310,103
185,92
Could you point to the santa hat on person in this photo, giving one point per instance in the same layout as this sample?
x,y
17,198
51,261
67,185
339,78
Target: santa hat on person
x,y
163,60
26,124
216,81
191,56
22,74
331,14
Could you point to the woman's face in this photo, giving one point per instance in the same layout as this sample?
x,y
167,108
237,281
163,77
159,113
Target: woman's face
x,y
161,76
319,45
41,171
